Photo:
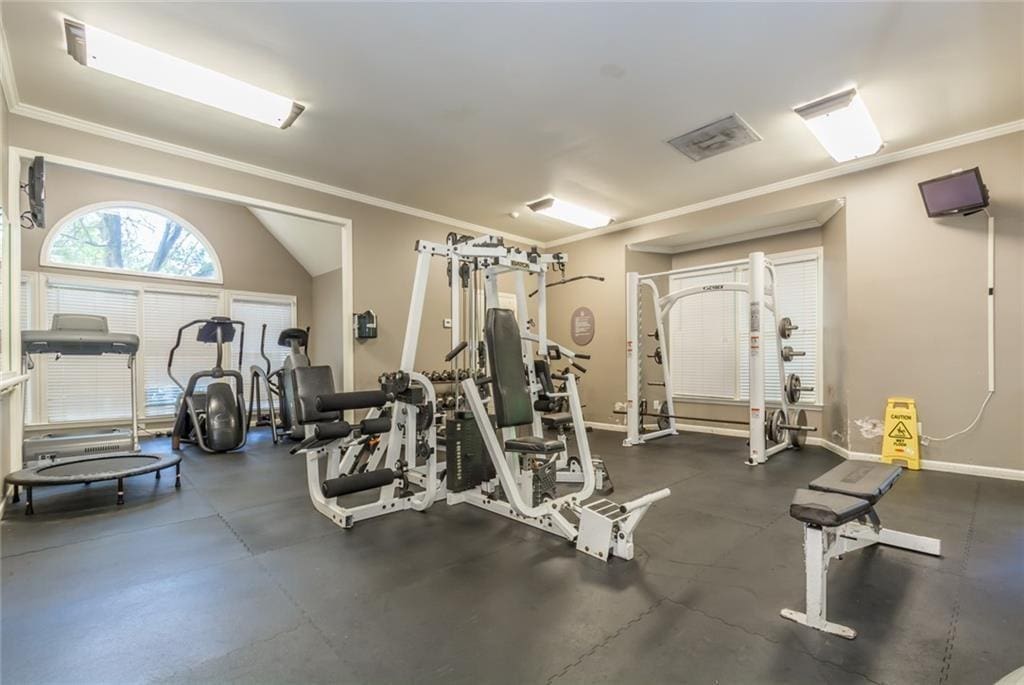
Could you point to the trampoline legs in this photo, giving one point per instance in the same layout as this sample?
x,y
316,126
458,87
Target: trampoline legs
x,y
17,495
177,475
28,502
120,491
158,475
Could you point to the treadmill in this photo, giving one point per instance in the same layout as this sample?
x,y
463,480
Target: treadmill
x,y
90,456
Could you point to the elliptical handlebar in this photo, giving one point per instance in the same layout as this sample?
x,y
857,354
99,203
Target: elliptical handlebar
x,y
263,341
219,321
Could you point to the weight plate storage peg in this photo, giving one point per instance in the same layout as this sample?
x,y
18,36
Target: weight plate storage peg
x,y
786,328
788,353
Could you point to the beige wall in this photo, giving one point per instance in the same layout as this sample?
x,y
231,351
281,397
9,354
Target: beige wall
x,y
251,258
327,323
915,298
834,420
383,241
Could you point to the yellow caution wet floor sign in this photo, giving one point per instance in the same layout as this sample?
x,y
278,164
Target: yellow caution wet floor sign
x,y
899,439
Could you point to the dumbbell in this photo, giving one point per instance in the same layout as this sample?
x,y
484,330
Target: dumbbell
x,y
786,328
788,353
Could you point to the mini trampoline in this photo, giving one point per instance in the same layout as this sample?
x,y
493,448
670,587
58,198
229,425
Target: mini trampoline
x,y
91,470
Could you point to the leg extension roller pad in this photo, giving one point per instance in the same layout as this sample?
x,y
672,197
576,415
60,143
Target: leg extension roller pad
x,y
346,485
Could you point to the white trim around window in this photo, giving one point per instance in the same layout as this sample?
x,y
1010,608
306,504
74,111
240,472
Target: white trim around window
x,y
44,254
38,282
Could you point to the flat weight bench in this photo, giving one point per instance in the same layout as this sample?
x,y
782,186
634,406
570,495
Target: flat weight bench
x,y
839,516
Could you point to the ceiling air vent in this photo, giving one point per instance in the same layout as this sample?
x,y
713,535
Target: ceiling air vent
x,y
715,138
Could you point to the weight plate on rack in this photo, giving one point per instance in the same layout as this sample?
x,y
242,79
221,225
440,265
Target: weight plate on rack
x,y
798,438
776,433
663,416
793,388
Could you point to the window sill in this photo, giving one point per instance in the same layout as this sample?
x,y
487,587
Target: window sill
x,y
692,399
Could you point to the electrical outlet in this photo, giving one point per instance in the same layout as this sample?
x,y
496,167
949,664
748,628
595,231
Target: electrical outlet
x,y
447,323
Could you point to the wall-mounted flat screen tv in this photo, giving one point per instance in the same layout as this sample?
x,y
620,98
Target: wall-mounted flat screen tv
x,y
961,192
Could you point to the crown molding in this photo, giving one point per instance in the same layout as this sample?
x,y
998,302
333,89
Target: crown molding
x,y
7,84
93,128
15,106
835,172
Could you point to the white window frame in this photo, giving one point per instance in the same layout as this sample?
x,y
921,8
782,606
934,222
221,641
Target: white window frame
x,y
38,281
45,261
731,272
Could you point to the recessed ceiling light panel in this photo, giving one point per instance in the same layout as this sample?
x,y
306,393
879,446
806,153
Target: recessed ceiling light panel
x,y
104,51
843,125
570,213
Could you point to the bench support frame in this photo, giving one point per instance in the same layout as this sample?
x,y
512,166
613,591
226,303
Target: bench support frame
x,y
822,544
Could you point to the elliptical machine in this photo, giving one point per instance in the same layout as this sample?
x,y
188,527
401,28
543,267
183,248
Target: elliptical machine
x,y
279,385
214,418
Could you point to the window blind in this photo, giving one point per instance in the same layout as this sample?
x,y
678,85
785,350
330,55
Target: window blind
x,y
89,388
254,312
702,337
164,313
797,296
708,333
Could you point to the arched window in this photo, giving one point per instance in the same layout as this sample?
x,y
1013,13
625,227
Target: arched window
x,y
129,237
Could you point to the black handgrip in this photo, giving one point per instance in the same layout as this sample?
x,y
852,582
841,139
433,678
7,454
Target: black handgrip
x,y
483,380
560,376
581,369
360,399
456,351
381,424
582,356
332,431
346,485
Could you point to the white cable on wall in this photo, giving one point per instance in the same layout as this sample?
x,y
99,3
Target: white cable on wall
x,y
926,439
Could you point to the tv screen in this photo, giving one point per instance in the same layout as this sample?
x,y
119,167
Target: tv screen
x,y
962,192
36,188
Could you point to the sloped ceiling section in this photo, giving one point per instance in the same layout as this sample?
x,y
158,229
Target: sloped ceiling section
x,y
314,244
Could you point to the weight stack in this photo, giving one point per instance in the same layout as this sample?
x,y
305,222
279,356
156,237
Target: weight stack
x,y
465,454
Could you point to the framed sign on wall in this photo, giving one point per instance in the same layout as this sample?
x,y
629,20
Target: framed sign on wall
x,y
582,326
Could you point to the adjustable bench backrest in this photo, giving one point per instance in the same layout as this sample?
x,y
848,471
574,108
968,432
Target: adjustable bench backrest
x,y
512,403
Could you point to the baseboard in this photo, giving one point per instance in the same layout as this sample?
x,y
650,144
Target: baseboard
x,y
933,465
926,464
597,425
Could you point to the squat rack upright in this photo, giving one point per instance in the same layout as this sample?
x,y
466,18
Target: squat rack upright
x,y
763,309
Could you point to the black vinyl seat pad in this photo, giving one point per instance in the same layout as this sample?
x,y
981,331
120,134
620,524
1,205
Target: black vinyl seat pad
x,y
558,419
91,469
858,479
827,508
533,445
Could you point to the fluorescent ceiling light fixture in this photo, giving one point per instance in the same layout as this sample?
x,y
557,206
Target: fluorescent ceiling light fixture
x,y
570,213
119,56
843,125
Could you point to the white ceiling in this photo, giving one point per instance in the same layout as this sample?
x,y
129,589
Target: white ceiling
x,y
471,110
316,245
759,226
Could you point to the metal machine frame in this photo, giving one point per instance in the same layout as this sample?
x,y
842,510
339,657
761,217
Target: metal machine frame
x,y
822,544
604,529
187,406
761,292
